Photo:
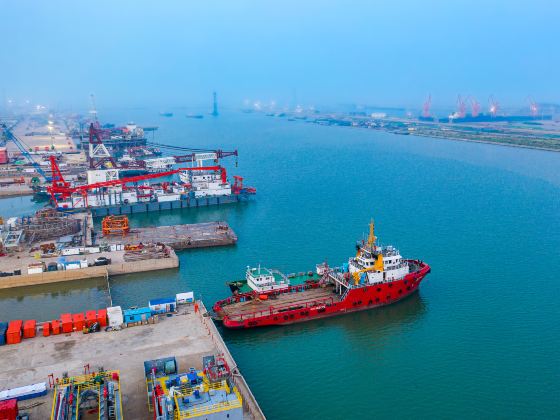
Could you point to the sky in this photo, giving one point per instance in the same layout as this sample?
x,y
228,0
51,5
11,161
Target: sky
x,y
175,53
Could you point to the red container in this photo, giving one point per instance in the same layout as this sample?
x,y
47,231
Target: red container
x,y
91,318
66,320
3,155
55,326
102,317
29,328
46,329
79,321
8,409
13,335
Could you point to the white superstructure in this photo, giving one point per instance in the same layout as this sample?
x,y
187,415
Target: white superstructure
x,y
265,280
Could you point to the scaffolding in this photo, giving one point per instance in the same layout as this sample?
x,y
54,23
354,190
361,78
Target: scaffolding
x,y
47,224
115,225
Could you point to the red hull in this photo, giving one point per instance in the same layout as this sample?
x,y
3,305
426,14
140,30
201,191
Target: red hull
x,y
357,299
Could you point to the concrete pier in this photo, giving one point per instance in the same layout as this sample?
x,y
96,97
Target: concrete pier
x,y
188,336
118,266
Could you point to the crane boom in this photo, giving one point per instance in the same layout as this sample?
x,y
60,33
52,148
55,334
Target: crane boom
x,y
19,144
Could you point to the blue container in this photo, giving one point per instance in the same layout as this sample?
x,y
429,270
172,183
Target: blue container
x,y
136,315
161,306
3,328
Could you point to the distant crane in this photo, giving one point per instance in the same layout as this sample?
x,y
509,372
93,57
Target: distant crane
x,y
533,107
9,136
475,108
426,107
493,106
461,107
93,110
215,105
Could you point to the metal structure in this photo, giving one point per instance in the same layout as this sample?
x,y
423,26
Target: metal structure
x,y
426,107
215,105
80,396
461,108
9,136
494,106
62,189
475,108
99,156
533,107
115,225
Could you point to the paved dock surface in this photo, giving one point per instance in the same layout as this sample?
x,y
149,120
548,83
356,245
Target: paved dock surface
x,y
178,237
184,336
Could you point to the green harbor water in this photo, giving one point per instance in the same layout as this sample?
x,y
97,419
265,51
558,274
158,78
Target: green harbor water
x,y
481,337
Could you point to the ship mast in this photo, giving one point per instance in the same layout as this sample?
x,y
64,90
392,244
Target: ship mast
x,y
371,238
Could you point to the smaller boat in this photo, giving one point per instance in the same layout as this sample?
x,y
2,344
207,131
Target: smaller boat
x,y
166,114
195,116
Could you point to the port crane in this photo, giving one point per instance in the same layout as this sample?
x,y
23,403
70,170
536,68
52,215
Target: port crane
x,y
494,106
426,107
10,136
475,108
60,188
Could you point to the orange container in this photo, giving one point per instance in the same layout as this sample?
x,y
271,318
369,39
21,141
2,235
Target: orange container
x,y
29,328
46,329
55,325
79,321
102,317
66,320
91,318
13,335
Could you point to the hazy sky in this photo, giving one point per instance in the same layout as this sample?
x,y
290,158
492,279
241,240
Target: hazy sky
x,y
171,53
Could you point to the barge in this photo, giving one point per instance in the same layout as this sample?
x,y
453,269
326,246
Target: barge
x,y
376,276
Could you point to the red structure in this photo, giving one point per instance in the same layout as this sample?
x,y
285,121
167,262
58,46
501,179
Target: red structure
x,y
461,107
475,108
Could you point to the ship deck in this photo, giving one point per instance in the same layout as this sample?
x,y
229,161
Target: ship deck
x,y
275,304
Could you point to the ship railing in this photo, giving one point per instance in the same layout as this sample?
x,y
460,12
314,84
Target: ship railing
x,y
284,277
284,310
249,295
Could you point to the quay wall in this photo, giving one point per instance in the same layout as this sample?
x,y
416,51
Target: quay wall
x,y
249,401
113,269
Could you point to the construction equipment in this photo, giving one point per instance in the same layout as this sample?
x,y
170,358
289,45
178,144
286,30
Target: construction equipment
x,y
10,136
115,225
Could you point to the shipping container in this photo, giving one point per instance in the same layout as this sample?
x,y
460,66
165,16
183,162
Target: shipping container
x,y
55,326
161,306
13,334
187,297
29,328
91,318
137,315
102,317
115,316
46,329
78,321
3,329
9,409
66,320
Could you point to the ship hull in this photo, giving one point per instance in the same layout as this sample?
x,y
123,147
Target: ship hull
x,y
357,299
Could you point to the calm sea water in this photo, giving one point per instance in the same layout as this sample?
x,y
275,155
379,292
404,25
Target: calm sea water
x,y
481,337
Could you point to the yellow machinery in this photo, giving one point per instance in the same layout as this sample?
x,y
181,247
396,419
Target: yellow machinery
x,y
378,265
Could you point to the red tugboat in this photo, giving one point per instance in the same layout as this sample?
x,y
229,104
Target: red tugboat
x,y
376,276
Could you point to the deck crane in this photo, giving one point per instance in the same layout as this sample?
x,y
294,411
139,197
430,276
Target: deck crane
x,y
60,189
20,145
196,154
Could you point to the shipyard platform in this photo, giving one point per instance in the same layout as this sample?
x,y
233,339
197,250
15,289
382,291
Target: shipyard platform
x,y
179,237
188,336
